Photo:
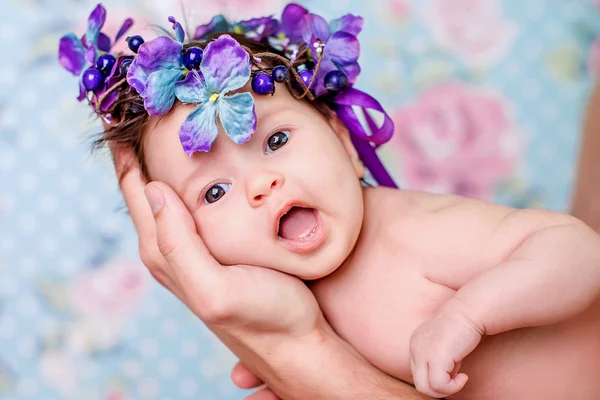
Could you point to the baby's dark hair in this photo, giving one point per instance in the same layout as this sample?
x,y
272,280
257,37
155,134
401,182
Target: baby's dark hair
x,y
129,118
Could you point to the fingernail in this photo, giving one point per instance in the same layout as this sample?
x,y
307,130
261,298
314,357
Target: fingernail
x,y
155,198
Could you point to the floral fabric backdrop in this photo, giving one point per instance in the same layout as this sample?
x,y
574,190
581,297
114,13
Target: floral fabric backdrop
x,y
487,96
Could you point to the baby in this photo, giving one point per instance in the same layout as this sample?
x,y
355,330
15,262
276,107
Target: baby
x,y
435,290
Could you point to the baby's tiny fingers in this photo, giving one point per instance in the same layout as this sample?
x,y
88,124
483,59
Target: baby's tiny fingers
x,y
443,383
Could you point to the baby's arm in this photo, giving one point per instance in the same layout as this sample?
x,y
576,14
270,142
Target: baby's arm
x,y
551,272
511,269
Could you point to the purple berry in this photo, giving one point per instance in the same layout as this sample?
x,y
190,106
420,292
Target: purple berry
x,y
192,58
105,63
92,79
262,83
124,68
306,76
280,74
134,42
335,81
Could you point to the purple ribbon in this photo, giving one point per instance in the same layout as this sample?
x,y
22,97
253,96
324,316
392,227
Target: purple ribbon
x,y
365,143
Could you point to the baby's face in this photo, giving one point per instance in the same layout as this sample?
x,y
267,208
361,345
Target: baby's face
x,y
288,199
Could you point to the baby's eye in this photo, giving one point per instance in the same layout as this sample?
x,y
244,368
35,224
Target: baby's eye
x,y
276,141
216,192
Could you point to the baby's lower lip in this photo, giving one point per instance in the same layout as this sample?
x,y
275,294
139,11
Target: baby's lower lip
x,y
310,241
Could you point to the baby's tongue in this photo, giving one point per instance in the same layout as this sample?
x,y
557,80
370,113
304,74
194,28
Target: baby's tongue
x,y
297,223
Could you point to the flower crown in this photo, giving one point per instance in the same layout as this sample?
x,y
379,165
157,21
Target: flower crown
x,y
317,59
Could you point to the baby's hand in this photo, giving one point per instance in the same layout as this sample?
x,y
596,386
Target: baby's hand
x,y
437,348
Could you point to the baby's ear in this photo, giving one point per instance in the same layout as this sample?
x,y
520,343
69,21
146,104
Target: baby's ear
x,y
344,135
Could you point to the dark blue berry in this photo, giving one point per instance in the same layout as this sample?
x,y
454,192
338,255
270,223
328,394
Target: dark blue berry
x,y
124,68
335,81
105,63
192,58
134,42
281,74
92,79
306,76
262,83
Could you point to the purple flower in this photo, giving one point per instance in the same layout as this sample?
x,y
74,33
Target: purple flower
x,y
217,24
257,28
155,70
76,55
341,48
225,68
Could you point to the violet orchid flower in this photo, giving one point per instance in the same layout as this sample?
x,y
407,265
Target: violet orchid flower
x,y
341,48
77,55
225,68
156,69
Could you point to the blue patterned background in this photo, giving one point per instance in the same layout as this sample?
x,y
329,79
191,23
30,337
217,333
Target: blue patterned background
x,y
80,318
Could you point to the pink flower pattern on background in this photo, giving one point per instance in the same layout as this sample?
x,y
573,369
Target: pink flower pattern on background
x,y
112,291
475,30
594,57
456,139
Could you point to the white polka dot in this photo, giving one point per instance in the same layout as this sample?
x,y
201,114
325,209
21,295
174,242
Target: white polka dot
x,y
8,75
9,120
49,119
514,69
28,97
48,202
69,224
533,10
69,182
48,161
8,327
91,204
67,266
189,348
7,244
27,347
48,246
7,204
27,388
169,327
47,325
549,111
151,309
148,388
27,223
8,287
149,347
28,140
188,388
27,307
28,267
8,159
50,76
131,368
8,33
29,181
168,368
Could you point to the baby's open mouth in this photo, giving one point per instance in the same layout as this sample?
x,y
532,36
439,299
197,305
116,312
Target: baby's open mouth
x,y
298,223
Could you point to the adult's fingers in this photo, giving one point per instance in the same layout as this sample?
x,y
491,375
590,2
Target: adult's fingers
x,y
243,378
263,394
200,277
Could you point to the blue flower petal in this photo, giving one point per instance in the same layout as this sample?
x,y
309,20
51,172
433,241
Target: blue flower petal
x,y
95,24
238,116
179,33
71,54
192,89
225,65
159,95
199,130
218,23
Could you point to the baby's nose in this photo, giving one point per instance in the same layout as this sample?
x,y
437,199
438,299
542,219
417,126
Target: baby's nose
x,y
261,186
